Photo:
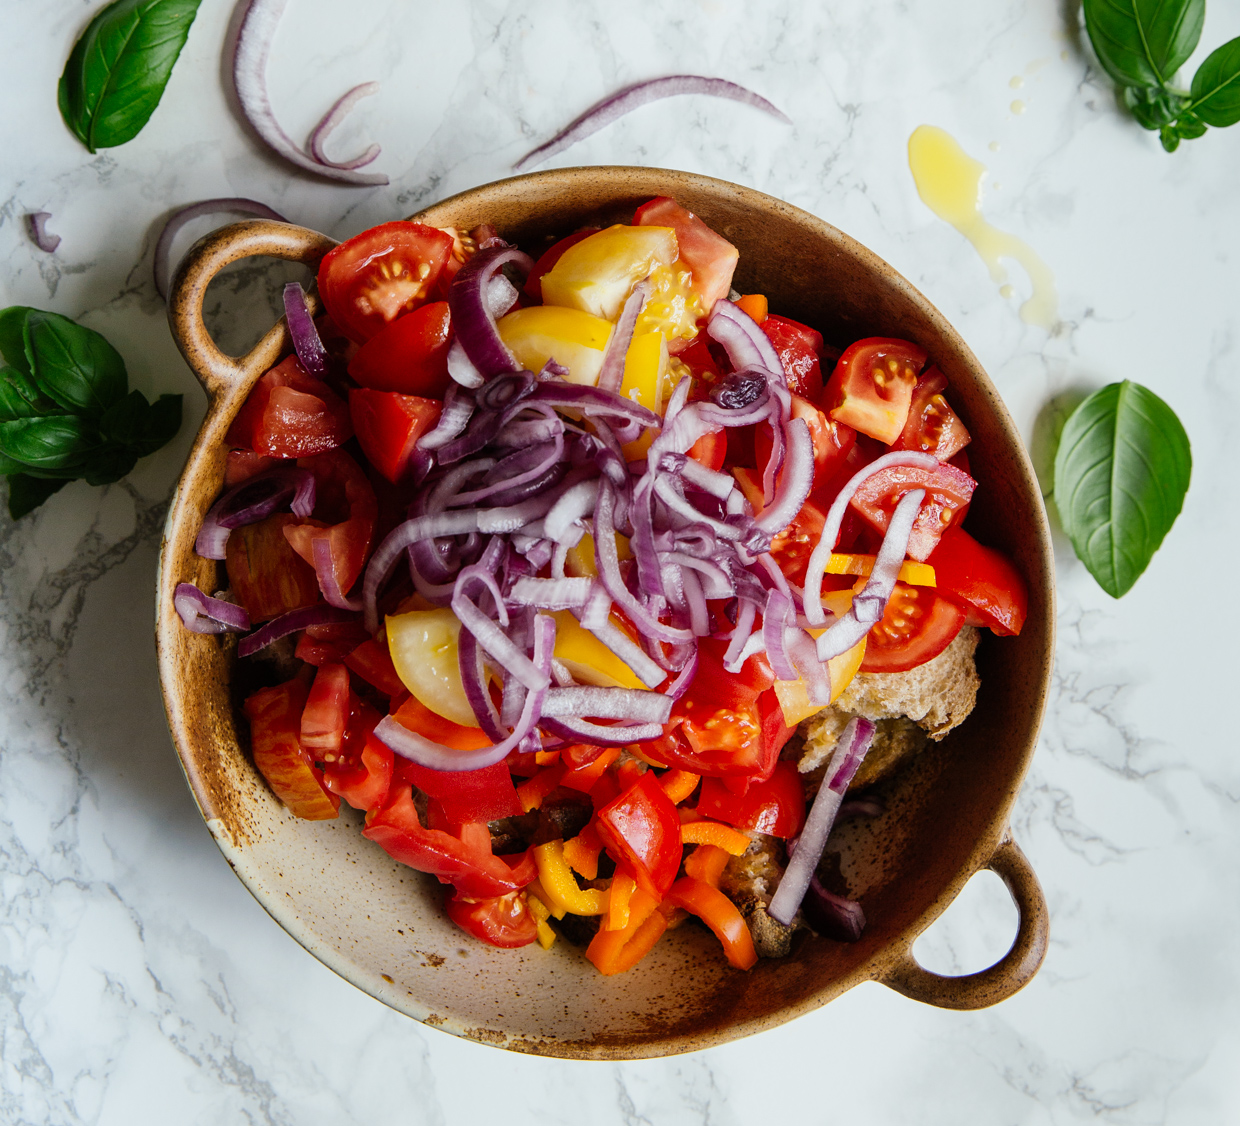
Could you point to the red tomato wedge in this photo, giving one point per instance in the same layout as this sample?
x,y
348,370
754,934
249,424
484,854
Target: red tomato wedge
x,y
549,257
641,830
916,627
501,920
948,492
372,662
275,724
710,450
289,413
327,711
265,573
381,274
711,259
932,426
410,355
798,347
388,426
361,772
776,806
795,544
831,440
466,795
982,580
871,387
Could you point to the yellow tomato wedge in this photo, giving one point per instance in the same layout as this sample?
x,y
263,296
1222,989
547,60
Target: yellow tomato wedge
x,y
911,572
580,559
573,338
793,696
424,649
597,274
587,658
645,380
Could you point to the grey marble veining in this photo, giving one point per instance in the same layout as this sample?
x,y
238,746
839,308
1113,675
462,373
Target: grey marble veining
x,y
139,982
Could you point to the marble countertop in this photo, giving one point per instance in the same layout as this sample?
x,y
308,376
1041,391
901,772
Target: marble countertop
x,y
140,982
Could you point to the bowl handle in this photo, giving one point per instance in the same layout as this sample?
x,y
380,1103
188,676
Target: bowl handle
x,y
218,372
1008,975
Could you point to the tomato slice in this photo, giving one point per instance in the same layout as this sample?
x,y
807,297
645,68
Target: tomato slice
x,y
381,274
831,440
502,920
798,347
327,711
711,449
388,426
372,662
289,413
948,492
361,772
244,464
265,573
711,259
410,355
641,830
793,546
775,806
275,724
466,795
932,426
982,580
549,257
871,387
916,626
416,716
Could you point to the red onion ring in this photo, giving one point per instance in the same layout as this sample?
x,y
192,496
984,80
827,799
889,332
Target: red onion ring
x,y
332,119
629,704
203,614
601,735
162,266
832,916
291,622
325,571
603,113
254,499
306,340
611,371
36,224
744,341
473,321
795,482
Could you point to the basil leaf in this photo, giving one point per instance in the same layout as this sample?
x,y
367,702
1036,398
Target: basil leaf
x,y
1121,472
117,70
109,463
142,427
73,365
21,398
26,493
1144,42
13,337
59,442
1216,86
1152,106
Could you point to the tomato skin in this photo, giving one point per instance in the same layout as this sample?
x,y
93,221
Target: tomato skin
x,y
372,662
549,257
501,920
410,355
327,711
710,258
927,625
265,573
275,725
831,440
711,449
982,580
467,795
871,387
244,464
388,425
641,830
381,274
289,413
948,492
775,806
932,426
798,347
416,716
793,546
362,772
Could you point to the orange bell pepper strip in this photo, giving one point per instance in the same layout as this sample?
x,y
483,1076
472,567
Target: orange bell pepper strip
x,y
534,792
755,304
706,863
679,784
714,833
719,913
583,777
629,772
619,897
582,852
613,952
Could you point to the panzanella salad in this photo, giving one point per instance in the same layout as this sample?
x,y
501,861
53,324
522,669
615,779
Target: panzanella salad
x,y
574,576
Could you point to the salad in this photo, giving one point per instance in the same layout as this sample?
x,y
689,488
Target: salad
x,y
576,575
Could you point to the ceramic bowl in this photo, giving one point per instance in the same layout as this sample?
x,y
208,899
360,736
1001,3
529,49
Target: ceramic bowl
x,y
381,925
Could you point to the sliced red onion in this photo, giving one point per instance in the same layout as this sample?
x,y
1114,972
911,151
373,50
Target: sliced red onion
x,y
624,647
867,806
477,691
611,372
804,656
775,619
497,643
413,746
249,76
595,402
714,579
601,735
501,295
36,223
736,655
332,120
178,219
720,485
306,341
325,571
680,685
291,622
695,601
667,489
535,466
461,367
744,341
630,704
203,614
458,408
552,594
795,482
566,515
850,750
821,555
472,320
643,93
254,499
832,916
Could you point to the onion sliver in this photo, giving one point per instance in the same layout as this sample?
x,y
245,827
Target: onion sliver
x,y
472,318
36,224
325,571
163,245
849,751
306,340
794,483
631,704
254,499
290,623
203,614
611,371
743,340
332,120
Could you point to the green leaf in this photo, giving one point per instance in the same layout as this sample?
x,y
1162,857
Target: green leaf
x,y
1121,473
20,397
163,420
1153,106
142,427
117,70
26,493
13,337
73,365
1216,86
109,463
1144,42
58,442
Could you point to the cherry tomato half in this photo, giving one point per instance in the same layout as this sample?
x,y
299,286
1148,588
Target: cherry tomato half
x,y
410,355
710,258
948,492
932,426
872,385
982,580
501,920
798,347
916,626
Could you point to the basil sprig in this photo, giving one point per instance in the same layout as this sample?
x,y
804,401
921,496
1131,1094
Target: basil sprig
x,y
1121,472
117,70
66,411
1143,43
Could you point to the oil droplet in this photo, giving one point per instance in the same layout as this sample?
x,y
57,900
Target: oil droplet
x,y
1036,65
949,182
1006,291
1016,82
1065,54
994,146
1017,106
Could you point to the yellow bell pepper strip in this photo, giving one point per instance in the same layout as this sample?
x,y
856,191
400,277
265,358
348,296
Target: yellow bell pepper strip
x,y
706,863
714,833
719,913
613,952
536,893
583,777
679,784
541,913
619,896
580,559
587,658
556,880
642,755
755,304
534,792
911,572
582,852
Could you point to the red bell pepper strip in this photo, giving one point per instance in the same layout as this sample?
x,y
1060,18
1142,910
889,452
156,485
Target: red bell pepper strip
x,y
641,830
467,795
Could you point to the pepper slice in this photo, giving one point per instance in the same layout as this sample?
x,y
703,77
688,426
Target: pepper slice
x,y
641,830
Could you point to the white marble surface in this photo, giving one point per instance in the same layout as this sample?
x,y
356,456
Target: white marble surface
x,y
140,983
